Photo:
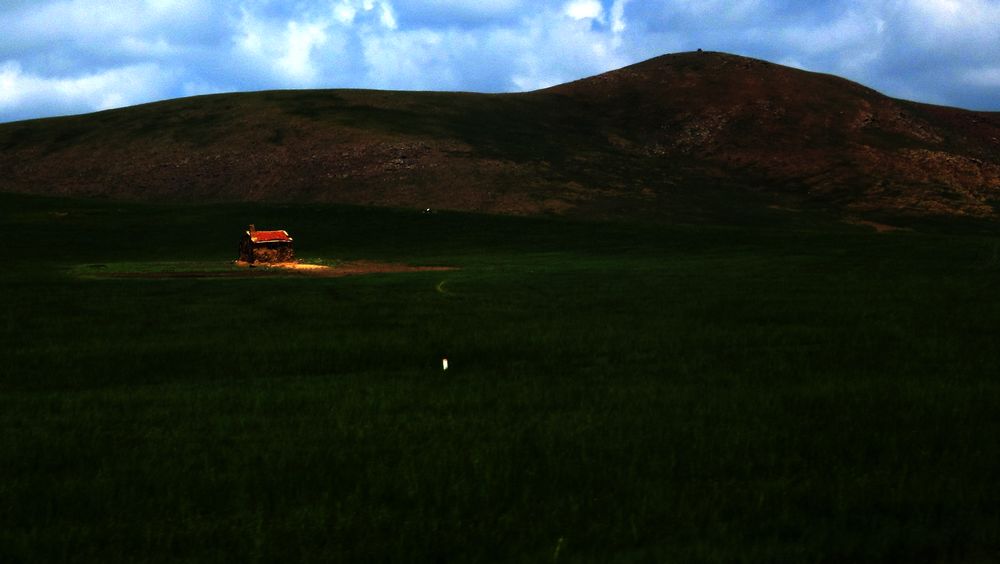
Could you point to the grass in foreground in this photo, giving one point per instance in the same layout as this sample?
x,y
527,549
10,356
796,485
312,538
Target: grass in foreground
x,y
616,392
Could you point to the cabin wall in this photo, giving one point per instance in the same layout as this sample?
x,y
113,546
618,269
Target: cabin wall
x,y
272,253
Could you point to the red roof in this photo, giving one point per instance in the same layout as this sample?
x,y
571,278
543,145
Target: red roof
x,y
280,236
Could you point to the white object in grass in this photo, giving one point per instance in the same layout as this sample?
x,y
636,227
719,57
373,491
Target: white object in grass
x,y
444,364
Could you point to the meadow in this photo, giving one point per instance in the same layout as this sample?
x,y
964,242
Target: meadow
x,y
785,389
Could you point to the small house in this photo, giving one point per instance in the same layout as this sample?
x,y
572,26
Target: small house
x,y
266,246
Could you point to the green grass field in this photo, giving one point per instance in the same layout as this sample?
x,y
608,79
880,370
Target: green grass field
x,y
794,390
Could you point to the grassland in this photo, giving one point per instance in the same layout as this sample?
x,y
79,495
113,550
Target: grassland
x,y
790,390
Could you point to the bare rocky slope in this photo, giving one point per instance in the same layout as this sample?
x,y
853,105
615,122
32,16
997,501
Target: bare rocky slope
x,y
678,136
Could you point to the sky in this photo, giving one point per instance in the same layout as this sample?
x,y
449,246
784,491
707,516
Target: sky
x,y
74,56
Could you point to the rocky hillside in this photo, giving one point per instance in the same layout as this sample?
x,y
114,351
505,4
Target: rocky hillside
x,y
679,136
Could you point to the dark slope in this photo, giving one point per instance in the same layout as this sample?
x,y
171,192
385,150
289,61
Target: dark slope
x,y
805,135
679,136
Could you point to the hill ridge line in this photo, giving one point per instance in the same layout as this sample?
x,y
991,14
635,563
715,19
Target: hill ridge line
x,y
681,136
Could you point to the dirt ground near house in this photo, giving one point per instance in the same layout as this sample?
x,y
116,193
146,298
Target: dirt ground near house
x,y
348,268
353,268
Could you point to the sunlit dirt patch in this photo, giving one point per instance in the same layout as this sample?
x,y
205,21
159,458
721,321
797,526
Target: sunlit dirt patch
x,y
302,266
283,265
351,268
241,269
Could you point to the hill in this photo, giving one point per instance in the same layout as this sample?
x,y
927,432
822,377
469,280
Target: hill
x,y
678,136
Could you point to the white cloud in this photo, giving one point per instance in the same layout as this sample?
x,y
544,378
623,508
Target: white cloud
x,y
717,11
988,77
300,40
946,24
584,10
463,14
414,60
847,32
560,48
82,19
143,47
386,16
345,12
22,93
314,50
195,88
281,51
618,16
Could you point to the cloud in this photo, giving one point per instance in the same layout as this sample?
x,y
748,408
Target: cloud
x,y
386,17
301,39
413,60
618,16
988,77
24,94
307,49
461,14
281,52
47,24
559,47
584,10
65,56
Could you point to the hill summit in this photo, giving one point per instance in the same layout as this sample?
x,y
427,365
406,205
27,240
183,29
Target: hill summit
x,y
677,136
